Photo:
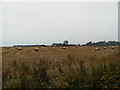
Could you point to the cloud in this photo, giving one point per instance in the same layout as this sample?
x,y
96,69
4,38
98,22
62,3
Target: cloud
x,y
37,23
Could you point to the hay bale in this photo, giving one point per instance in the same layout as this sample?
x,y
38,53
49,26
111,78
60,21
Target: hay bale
x,y
97,49
17,53
112,47
36,49
105,48
19,48
63,47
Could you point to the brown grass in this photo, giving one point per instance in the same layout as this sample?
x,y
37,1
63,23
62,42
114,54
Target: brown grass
x,y
55,67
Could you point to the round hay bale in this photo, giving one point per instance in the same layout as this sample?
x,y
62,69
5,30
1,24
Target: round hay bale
x,y
36,49
17,53
63,47
112,47
19,48
97,49
105,48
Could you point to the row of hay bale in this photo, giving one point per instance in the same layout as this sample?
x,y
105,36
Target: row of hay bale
x,y
98,48
37,48
20,48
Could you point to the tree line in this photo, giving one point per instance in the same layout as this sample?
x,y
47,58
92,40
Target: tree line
x,y
102,43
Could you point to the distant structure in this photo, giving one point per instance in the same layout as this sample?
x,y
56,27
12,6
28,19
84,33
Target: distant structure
x,y
29,45
65,43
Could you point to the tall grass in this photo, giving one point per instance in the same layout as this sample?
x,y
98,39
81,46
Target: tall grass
x,y
73,71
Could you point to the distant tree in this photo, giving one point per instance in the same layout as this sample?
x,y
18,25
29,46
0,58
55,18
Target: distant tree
x,y
103,43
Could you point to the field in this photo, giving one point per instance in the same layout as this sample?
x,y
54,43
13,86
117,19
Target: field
x,y
58,67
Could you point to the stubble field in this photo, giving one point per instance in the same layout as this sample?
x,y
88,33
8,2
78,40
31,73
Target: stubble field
x,y
58,67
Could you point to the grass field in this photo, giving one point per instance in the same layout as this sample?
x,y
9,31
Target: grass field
x,y
57,67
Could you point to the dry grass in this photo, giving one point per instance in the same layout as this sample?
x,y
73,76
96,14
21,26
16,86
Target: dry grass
x,y
55,67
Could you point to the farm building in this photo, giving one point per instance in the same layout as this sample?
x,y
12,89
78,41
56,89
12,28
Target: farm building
x,y
65,43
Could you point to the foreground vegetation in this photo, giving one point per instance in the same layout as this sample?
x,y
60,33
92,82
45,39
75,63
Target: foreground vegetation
x,y
73,67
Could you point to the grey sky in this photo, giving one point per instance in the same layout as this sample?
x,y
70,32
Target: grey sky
x,y
45,23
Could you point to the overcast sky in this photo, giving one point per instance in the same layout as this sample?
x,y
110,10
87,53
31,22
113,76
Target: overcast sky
x,y
49,22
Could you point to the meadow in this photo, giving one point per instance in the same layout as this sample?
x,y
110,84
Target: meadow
x,y
58,67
